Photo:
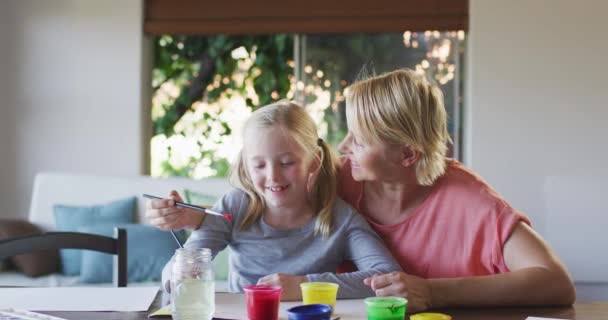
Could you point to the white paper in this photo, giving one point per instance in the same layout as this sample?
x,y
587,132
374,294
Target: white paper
x,y
539,318
25,315
78,298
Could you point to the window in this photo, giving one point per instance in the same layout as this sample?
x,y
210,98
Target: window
x,y
329,63
203,90
204,87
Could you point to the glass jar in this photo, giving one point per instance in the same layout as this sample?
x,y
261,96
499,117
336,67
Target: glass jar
x,y
192,286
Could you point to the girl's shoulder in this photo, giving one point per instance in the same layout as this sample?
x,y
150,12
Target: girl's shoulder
x,y
236,194
344,214
233,202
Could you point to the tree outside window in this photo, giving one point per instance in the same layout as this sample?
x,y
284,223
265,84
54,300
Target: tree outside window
x,y
205,87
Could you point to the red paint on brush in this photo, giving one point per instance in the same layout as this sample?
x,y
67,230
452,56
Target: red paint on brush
x,y
227,216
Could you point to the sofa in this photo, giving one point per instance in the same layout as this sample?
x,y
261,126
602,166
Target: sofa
x,y
51,189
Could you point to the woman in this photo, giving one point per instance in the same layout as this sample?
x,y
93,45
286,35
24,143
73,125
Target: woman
x,y
458,242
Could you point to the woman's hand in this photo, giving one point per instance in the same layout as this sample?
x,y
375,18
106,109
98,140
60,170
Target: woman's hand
x,y
163,214
417,290
289,283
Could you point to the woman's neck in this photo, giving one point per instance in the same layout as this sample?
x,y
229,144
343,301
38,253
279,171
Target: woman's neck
x,y
391,202
289,217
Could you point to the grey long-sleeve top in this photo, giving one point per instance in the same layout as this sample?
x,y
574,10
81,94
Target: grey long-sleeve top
x,y
261,249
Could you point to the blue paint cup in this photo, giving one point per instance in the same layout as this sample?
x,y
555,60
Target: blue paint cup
x,y
310,312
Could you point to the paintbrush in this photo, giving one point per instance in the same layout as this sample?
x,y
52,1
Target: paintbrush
x,y
190,206
193,207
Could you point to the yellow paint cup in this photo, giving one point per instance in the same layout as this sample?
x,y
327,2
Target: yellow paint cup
x,y
320,292
430,316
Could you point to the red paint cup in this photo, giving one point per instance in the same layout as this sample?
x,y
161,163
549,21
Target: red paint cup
x,y
263,302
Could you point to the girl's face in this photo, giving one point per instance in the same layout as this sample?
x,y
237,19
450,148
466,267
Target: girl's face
x,y
371,162
278,166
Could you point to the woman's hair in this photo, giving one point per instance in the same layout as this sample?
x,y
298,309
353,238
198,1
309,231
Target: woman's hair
x,y
296,122
402,107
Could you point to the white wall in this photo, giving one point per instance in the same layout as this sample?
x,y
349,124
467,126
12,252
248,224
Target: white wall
x,y
72,97
537,107
8,178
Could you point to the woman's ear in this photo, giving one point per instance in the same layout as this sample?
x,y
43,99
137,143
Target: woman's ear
x,y
409,155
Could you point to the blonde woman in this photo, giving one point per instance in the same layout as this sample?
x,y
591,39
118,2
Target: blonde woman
x,y
459,241
288,226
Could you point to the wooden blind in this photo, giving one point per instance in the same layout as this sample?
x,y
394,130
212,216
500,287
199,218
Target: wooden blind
x,y
302,16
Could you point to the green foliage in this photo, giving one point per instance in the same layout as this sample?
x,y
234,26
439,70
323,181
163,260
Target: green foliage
x,y
193,62
202,69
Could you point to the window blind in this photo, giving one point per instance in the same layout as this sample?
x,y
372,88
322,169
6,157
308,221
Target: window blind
x,y
310,16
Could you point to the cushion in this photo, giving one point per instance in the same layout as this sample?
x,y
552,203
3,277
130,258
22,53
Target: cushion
x,y
32,264
220,262
148,250
70,218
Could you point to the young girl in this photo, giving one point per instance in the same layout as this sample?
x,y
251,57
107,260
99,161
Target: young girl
x,y
288,226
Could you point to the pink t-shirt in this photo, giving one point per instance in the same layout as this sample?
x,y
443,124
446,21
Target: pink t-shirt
x,y
458,231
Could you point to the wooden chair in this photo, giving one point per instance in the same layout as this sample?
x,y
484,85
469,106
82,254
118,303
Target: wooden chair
x,y
73,240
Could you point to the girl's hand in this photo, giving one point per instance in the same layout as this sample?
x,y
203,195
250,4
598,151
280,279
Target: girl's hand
x,y
417,290
289,283
163,214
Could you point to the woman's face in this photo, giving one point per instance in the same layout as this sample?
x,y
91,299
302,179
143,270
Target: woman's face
x,y
371,162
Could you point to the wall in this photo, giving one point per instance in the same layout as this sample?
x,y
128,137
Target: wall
x,y
73,92
537,113
7,119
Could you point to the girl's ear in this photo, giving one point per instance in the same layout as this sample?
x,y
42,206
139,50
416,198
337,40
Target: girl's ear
x,y
315,168
409,156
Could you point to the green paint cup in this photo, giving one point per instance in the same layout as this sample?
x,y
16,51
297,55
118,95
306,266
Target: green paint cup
x,y
386,308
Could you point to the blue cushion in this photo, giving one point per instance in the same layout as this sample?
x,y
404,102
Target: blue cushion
x,y
70,218
148,250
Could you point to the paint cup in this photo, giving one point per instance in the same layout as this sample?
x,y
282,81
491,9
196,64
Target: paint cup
x,y
319,292
430,316
262,302
310,312
386,308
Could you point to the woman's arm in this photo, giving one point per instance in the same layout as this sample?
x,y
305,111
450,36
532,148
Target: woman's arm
x,y
537,277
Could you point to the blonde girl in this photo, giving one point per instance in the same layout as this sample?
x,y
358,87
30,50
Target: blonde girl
x,y
288,226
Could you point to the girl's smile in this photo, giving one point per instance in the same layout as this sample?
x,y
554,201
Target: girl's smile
x,y
278,188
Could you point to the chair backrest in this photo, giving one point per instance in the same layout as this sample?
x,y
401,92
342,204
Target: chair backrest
x,y
73,240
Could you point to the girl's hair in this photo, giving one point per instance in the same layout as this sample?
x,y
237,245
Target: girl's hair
x,y
402,107
296,122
